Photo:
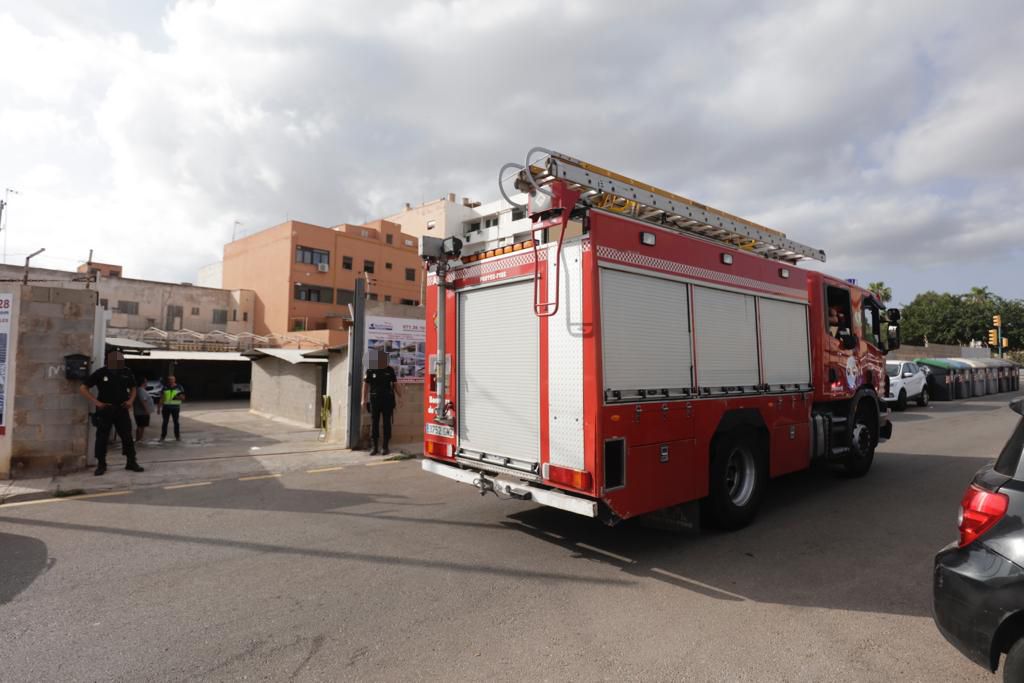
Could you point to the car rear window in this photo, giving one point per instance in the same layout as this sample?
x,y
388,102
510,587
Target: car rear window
x,y
1009,459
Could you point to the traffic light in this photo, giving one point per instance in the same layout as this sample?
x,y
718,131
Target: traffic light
x,y
993,338
997,320
1006,343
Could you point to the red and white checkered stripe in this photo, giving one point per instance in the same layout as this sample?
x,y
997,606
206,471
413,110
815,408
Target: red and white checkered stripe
x,y
685,270
492,265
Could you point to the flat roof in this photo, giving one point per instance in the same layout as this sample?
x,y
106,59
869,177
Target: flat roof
x,y
126,343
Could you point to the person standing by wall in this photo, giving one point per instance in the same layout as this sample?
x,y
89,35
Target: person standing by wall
x,y
143,406
380,391
115,393
170,404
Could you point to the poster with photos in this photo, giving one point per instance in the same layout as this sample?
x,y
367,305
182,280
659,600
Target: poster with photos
x,y
6,302
404,340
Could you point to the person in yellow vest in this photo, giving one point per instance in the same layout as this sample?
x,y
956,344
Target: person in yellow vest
x,y
170,404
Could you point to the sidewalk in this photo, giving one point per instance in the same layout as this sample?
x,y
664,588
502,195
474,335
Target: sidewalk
x,y
218,442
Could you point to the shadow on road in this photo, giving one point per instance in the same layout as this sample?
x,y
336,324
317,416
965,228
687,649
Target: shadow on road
x,y
22,560
820,540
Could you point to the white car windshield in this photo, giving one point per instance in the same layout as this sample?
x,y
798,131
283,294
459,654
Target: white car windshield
x,y
892,369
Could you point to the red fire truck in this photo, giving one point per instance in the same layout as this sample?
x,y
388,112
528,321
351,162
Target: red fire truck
x,y
633,351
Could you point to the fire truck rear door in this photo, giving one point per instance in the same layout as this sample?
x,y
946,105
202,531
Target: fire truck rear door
x,y
498,401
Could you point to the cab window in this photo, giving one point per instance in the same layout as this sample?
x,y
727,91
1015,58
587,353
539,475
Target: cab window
x,y
871,322
837,319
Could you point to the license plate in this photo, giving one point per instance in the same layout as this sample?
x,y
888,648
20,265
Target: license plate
x,y
440,430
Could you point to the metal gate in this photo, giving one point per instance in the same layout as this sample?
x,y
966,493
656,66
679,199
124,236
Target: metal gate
x,y
499,396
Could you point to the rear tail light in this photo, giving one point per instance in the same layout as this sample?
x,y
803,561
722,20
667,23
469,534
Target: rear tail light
x,y
577,479
979,512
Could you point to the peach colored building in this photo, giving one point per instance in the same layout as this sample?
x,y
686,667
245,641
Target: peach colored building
x,y
304,275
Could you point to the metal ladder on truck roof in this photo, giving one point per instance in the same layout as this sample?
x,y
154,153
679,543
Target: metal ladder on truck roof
x,y
604,189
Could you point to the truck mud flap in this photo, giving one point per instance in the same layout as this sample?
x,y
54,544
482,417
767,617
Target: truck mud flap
x,y
521,490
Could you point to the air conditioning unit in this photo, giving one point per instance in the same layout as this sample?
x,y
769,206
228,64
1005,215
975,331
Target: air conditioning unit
x,y
322,267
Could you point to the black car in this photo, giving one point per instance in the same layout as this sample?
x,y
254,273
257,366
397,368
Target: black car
x,y
979,580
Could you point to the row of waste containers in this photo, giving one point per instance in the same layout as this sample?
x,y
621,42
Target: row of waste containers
x,y
953,378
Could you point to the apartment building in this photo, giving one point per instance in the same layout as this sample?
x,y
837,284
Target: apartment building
x,y
304,275
147,307
482,225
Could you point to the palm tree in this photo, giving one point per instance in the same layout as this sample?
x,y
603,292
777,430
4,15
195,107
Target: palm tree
x,y
978,295
883,293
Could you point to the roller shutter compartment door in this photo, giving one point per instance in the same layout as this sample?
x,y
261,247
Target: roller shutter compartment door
x,y
498,403
784,343
725,328
645,337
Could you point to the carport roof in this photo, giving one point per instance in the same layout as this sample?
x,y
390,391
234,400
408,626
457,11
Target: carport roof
x,y
125,343
292,356
167,354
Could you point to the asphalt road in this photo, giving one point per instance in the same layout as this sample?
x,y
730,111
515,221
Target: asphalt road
x,y
388,573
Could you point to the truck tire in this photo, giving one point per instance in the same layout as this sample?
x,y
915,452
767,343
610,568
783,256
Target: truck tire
x,y
922,399
1013,665
901,401
863,423
738,477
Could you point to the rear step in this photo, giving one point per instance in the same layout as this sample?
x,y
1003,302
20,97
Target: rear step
x,y
520,490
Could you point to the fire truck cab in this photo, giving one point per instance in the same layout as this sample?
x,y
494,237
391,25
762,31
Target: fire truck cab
x,y
636,352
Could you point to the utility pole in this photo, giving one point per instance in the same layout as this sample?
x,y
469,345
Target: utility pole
x,y
8,191
88,270
997,322
356,346
234,229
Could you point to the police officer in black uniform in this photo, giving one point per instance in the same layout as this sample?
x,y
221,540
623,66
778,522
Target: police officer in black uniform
x,y
115,390
380,388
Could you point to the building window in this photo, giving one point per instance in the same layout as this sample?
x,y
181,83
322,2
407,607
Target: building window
x,y
312,256
175,315
367,266
128,307
364,233
388,266
410,243
410,302
346,262
475,225
220,316
387,297
245,316
518,214
298,325
234,315
410,274
389,238
372,296
103,303
345,297
491,222
322,295
195,310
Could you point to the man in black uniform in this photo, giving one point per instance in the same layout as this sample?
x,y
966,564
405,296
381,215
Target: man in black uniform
x,y
115,391
380,389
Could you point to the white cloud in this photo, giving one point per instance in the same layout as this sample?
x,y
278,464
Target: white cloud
x,y
865,128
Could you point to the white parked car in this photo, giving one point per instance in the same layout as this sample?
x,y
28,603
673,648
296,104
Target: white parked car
x,y
907,380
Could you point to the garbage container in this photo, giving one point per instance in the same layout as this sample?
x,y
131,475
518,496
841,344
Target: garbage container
x,y
963,377
979,385
991,374
941,383
1002,370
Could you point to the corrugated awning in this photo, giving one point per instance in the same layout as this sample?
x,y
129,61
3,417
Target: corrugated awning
x,y
166,354
292,356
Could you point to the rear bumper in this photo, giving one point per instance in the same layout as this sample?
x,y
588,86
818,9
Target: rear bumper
x,y
518,489
969,601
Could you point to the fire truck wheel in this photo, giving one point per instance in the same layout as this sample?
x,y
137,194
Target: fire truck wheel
x,y
901,401
737,481
863,438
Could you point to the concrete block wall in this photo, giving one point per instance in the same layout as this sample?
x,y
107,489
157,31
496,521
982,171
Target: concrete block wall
x,y
280,389
48,430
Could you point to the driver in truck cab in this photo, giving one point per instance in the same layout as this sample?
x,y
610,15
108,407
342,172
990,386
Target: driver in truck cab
x,y
837,324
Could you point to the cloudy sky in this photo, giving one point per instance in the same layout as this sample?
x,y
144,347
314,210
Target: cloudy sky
x,y
889,133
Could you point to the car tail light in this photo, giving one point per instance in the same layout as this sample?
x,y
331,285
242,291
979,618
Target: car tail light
x,y
979,511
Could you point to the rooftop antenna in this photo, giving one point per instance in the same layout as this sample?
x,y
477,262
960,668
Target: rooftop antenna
x,y
234,229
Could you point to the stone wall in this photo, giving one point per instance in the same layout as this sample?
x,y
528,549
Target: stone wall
x,y
48,422
937,351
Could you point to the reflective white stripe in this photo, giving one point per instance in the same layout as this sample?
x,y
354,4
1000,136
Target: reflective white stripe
x,y
555,499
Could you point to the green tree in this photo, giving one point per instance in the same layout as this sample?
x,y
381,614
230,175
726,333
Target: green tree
x,y
883,293
961,318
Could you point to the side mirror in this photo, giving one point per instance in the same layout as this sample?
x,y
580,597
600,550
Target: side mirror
x,y
893,315
907,375
848,341
894,336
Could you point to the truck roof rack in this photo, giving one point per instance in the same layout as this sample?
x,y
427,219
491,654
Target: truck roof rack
x,y
604,189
